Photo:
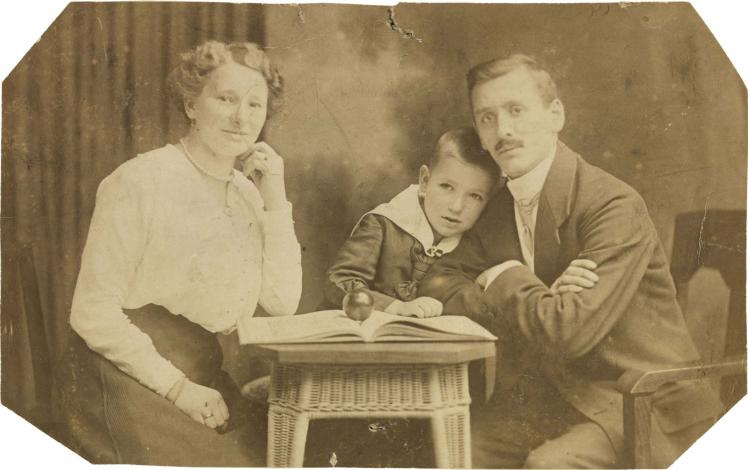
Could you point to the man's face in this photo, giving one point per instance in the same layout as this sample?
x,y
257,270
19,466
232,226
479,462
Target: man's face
x,y
515,125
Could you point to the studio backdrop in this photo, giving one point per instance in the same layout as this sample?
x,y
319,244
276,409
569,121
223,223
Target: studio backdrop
x,y
649,96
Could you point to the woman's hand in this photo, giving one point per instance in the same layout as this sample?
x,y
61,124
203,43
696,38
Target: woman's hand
x,y
265,167
422,307
203,404
577,277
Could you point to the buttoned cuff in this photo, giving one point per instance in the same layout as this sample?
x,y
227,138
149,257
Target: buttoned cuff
x,y
163,375
485,278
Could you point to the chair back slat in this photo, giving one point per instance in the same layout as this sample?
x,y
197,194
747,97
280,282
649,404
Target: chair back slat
x,y
715,239
35,323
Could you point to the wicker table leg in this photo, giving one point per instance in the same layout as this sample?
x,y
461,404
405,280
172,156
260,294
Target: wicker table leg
x,y
439,392
287,431
450,429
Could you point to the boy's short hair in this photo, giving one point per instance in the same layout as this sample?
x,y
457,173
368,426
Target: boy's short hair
x,y
463,143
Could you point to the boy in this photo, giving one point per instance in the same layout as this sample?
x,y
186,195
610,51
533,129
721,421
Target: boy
x,y
393,246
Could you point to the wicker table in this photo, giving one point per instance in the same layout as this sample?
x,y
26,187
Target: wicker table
x,y
365,380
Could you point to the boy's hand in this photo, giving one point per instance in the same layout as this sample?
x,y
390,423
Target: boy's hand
x,y
422,307
577,277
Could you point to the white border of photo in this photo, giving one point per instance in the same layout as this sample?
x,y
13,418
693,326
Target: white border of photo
x,y
22,446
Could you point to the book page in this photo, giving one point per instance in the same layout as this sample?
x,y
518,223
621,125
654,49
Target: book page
x,y
456,327
298,328
372,325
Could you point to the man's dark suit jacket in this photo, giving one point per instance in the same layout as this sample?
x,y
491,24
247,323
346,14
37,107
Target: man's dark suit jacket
x,y
581,342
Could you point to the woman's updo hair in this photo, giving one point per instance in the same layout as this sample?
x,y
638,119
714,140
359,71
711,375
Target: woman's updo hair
x,y
188,79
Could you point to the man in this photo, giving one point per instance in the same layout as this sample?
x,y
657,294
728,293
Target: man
x,y
561,352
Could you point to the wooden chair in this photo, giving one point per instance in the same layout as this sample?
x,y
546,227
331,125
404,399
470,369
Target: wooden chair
x,y
23,313
714,239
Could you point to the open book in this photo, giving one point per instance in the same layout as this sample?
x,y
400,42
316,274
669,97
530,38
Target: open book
x,y
334,326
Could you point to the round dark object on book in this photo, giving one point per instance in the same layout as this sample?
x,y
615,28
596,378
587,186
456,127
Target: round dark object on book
x,y
358,304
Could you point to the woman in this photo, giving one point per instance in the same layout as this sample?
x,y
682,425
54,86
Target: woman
x,y
181,247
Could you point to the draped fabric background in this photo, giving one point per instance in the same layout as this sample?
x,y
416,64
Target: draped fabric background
x,y
649,96
90,95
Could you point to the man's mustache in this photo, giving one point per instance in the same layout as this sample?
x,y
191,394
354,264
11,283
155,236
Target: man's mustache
x,y
507,144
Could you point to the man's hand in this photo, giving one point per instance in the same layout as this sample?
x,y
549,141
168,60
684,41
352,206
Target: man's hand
x,y
577,277
422,307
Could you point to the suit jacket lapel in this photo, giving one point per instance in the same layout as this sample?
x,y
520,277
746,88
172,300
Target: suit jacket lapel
x,y
498,229
554,207
547,244
507,229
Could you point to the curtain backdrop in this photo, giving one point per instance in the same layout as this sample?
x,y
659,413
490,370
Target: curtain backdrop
x,y
88,96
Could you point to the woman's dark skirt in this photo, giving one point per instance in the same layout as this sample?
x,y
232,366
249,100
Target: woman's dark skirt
x,y
112,418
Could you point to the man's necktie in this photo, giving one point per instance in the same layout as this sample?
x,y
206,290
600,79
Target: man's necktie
x,y
526,206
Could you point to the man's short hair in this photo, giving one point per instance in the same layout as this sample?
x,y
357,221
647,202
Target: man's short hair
x,y
495,68
464,144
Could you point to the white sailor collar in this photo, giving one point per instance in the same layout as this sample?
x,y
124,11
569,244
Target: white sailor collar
x,y
405,211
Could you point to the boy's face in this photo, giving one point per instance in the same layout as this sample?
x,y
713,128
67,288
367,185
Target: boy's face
x,y
454,194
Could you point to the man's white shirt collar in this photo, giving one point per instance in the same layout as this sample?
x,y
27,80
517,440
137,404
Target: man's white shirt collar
x,y
531,183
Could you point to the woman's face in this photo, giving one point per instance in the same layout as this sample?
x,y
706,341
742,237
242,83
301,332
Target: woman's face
x,y
230,112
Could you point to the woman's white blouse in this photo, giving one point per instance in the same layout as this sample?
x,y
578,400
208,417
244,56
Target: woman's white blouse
x,y
159,235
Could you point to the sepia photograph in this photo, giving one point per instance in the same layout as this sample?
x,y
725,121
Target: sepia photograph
x,y
414,235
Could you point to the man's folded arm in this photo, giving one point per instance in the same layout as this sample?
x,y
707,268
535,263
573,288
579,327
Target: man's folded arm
x,y
618,237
